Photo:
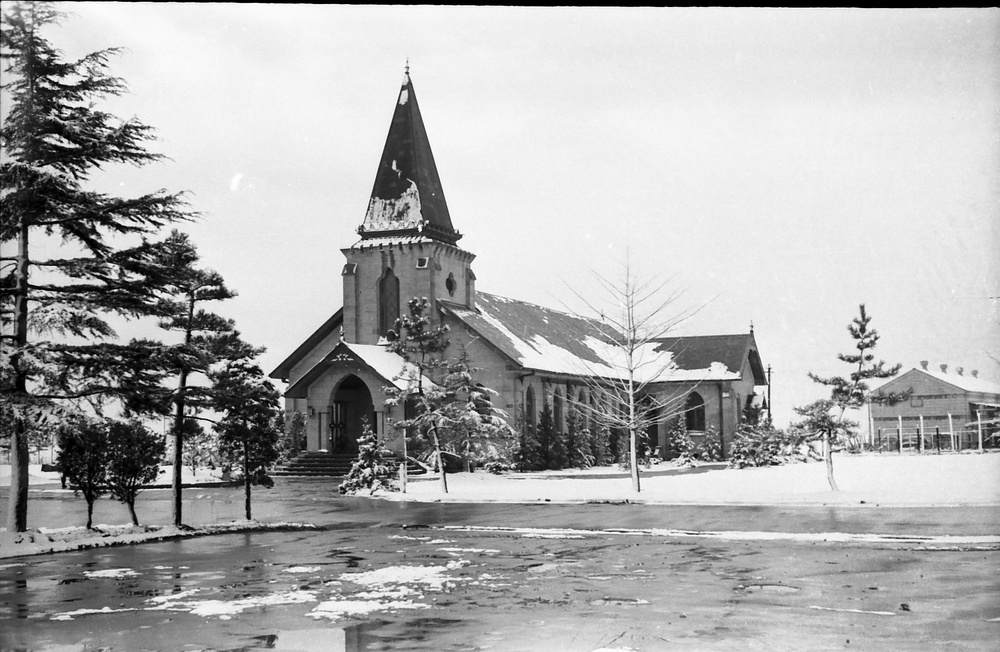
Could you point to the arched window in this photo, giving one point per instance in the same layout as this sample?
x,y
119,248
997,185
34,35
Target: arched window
x,y
694,410
529,408
557,410
388,301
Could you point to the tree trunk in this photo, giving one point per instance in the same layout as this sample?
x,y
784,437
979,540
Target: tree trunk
x,y
90,513
828,456
17,515
17,504
179,449
179,423
440,459
632,434
131,511
403,471
246,476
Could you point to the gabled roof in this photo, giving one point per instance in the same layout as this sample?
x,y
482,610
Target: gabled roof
x,y
407,197
330,326
389,366
963,382
700,351
542,339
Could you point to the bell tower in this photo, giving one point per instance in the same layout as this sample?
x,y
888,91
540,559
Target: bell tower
x,y
408,244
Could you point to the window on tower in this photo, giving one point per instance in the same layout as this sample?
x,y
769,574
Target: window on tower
x,y
388,301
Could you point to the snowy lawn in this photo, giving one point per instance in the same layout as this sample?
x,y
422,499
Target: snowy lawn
x,y
885,480
904,480
41,541
38,477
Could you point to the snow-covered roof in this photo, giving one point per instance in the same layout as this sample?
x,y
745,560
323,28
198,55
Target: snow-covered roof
x,y
391,367
543,339
392,241
407,196
961,381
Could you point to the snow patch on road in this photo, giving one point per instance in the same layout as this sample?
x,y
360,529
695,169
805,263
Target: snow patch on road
x,y
70,615
808,537
111,572
458,551
854,611
432,577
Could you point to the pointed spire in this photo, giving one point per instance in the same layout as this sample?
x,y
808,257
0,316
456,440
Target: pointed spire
x,y
407,197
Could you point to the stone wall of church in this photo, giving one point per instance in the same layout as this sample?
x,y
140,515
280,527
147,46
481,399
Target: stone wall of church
x,y
432,270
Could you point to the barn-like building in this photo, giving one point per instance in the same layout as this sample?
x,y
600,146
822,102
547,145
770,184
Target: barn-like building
x,y
952,408
528,354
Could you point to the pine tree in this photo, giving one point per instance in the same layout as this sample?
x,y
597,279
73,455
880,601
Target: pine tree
x,y
526,451
58,342
252,422
851,392
422,345
680,442
600,445
206,340
370,471
548,446
134,456
577,440
83,458
472,426
455,412
296,433
710,449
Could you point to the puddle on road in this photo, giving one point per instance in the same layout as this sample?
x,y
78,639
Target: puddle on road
x,y
767,588
618,602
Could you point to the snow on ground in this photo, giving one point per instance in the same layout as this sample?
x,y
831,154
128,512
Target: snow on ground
x,y
887,480
37,477
46,540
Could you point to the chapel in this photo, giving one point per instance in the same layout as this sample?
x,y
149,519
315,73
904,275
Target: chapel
x,y
408,247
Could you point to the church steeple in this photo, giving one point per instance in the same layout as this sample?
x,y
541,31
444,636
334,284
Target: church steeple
x,y
407,198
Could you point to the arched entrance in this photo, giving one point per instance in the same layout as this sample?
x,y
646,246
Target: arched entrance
x,y
351,404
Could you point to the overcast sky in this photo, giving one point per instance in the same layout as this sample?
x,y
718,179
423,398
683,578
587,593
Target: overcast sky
x,y
781,165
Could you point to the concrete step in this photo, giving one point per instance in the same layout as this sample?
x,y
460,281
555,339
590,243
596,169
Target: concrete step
x,y
313,464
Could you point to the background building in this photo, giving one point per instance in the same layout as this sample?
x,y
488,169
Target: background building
x,y
943,403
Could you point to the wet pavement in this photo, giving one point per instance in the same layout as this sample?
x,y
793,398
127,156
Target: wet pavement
x,y
391,576
317,501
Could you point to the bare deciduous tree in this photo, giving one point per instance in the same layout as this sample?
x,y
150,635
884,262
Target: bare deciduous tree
x,y
636,313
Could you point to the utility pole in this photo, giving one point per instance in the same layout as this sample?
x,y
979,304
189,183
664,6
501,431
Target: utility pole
x,y
768,392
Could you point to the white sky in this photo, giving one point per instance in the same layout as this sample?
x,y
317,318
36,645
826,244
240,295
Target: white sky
x,y
783,165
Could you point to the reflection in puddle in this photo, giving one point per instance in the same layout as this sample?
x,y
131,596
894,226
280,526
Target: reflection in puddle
x,y
333,639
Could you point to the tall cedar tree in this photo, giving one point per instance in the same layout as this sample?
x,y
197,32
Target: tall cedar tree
x,y
57,341
134,456
547,436
636,312
422,345
206,341
83,458
577,440
526,455
251,426
851,392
